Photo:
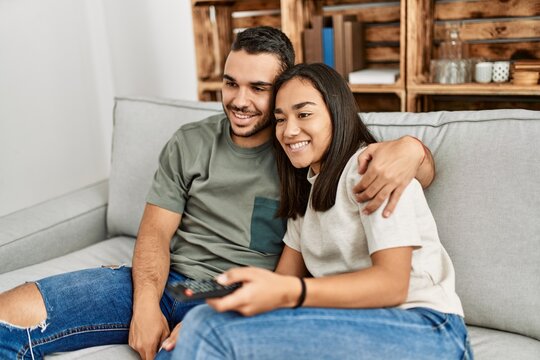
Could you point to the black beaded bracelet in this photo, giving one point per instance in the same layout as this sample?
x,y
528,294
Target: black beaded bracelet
x,y
302,296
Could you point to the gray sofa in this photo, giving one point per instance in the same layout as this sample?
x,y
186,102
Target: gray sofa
x,y
485,198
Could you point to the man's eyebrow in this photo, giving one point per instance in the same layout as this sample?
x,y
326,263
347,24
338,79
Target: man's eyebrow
x,y
254,83
261,83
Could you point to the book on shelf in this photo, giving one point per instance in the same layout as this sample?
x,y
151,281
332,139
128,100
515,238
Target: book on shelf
x,y
338,24
313,42
328,46
374,76
353,38
338,41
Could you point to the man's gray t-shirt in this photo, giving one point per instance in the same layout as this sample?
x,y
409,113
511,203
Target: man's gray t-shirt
x,y
227,195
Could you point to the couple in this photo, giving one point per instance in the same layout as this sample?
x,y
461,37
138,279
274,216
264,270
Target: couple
x,y
382,286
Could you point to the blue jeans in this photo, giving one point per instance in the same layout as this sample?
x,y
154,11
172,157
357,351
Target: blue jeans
x,y
316,333
84,308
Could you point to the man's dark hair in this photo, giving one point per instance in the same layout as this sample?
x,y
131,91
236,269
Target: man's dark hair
x,y
266,39
348,134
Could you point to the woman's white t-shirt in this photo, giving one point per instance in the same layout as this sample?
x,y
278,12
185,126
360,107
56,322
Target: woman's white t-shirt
x,y
342,239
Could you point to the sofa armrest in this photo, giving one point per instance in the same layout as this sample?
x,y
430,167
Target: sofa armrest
x,y
53,228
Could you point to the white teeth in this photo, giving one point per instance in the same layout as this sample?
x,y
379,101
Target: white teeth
x,y
243,116
299,145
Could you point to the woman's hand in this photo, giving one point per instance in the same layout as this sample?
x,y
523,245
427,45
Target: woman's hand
x,y
170,342
261,291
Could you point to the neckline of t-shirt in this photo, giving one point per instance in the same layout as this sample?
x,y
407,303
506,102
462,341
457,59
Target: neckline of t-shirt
x,y
311,176
249,152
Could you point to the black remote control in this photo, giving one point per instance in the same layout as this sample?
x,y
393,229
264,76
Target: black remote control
x,y
200,289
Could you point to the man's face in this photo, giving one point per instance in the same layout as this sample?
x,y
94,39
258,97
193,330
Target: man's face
x,y
246,93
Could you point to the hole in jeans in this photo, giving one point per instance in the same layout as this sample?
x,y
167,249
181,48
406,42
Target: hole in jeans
x,y
23,307
113,267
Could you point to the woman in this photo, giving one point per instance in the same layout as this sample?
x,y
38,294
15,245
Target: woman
x,y
360,286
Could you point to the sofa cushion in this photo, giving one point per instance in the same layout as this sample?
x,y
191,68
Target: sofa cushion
x,y
115,251
141,129
111,352
492,344
53,228
485,199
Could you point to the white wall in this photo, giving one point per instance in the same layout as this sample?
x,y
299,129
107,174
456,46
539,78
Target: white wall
x,y
61,64
152,48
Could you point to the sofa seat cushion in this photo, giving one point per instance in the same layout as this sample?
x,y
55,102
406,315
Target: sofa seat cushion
x,y
115,251
123,352
490,344
487,345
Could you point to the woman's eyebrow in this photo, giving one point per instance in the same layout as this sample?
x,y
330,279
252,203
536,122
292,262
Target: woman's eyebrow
x,y
295,106
302,104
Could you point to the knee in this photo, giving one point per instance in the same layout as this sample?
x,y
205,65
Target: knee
x,y
23,306
200,334
202,319
199,316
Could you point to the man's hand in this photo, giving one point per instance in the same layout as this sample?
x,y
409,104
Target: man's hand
x,y
151,261
387,169
147,331
170,342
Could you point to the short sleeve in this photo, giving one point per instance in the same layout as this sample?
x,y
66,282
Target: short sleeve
x,y
398,230
292,236
170,185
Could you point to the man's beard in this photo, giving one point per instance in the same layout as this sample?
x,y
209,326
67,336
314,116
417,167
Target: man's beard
x,y
260,126
263,124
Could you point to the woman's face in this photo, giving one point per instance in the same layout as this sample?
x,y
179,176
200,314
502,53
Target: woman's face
x,y
303,123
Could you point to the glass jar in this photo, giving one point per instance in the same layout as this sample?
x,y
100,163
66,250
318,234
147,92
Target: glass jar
x,y
452,46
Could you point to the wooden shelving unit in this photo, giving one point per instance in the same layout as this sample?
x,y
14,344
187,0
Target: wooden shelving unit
x,y
215,23
385,36
402,33
492,30
476,89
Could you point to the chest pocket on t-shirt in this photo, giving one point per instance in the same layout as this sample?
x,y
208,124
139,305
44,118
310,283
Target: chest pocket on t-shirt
x,y
267,230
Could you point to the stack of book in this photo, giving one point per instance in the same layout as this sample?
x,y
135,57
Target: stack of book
x,y
337,41
525,72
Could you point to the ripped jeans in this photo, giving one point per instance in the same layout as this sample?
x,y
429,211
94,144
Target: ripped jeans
x,y
84,308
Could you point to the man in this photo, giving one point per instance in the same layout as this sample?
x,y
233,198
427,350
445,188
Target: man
x,y
216,187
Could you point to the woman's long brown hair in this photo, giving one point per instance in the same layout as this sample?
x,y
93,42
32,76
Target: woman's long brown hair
x,y
348,134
